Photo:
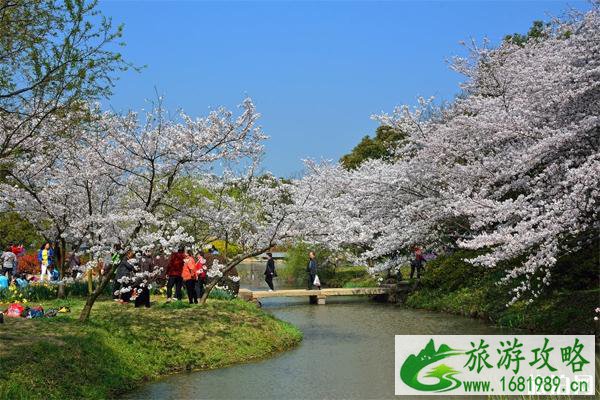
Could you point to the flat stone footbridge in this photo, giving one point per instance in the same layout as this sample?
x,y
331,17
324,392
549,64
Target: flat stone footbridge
x,y
388,292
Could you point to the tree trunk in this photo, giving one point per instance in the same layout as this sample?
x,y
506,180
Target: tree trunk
x,y
90,281
62,247
91,299
61,290
207,290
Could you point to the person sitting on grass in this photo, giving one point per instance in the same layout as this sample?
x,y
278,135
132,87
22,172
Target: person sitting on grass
x,y
3,282
53,273
21,281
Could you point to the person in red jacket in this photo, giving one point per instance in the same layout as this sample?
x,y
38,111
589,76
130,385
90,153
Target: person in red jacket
x,y
174,274
201,271
417,263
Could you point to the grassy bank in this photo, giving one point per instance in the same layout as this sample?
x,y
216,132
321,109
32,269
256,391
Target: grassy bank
x,y
451,285
121,347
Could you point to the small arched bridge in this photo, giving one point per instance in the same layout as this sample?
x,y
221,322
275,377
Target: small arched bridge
x,y
388,292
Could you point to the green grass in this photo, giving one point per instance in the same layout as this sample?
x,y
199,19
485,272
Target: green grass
x,y
121,347
366,281
345,275
450,284
560,313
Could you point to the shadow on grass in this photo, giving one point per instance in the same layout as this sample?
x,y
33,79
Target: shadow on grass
x,y
78,362
120,347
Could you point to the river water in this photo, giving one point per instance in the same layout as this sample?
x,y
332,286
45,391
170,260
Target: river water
x,y
347,352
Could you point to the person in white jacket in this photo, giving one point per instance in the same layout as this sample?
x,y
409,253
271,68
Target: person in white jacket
x,y
9,260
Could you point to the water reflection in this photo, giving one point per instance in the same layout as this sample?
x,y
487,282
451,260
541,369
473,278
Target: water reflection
x,y
252,275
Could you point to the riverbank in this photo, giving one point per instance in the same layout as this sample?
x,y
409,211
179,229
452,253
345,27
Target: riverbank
x,y
122,347
567,305
347,353
558,315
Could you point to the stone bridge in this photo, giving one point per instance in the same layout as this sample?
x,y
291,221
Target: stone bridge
x,y
388,292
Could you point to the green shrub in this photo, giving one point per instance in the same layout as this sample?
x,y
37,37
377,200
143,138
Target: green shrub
x,y
232,249
344,275
296,261
452,285
221,294
566,312
32,292
368,281
578,270
80,289
452,272
40,291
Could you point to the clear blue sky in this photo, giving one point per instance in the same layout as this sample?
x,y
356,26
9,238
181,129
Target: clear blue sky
x,y
315,70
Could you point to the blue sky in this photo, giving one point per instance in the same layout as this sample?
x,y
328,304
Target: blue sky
x,y
316,71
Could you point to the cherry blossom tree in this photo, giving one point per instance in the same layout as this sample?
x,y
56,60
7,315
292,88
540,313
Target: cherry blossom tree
x,y
532,166
108,186
511,167
60,191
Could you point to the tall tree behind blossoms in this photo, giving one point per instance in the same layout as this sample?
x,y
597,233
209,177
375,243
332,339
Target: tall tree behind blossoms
x,y
512,167
108,187
382,146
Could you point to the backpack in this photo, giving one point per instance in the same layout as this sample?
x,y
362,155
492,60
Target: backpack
x,y
15,310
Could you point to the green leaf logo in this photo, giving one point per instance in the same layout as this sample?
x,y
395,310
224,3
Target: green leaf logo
x,y
409,372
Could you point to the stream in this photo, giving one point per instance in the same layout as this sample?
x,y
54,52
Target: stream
x,y
347,351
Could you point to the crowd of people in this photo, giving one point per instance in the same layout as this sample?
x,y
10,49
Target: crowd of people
x,y
182,269
47,258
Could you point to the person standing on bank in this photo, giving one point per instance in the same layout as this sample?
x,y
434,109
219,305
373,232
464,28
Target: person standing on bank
x,y
46,258
417,263
142,285
311,268
270,272
190,277
124,270
174,274
8,263
201,272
